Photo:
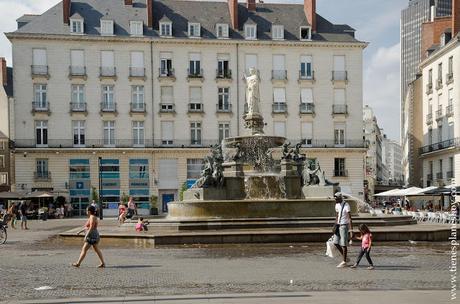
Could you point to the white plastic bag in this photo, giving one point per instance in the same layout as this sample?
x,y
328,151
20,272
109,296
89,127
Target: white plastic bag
x,y
331,250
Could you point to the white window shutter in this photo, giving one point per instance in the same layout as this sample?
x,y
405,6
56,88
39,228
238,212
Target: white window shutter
x,y
137,59
107,59
167,94
251,61
167,178
195,56
307,130
279,94
339,63
77,58
167,130
279,128
39,57
278,63
306,95
195,94
339,97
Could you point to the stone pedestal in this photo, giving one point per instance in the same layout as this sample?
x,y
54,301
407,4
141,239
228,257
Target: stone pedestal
x,y
233,169
204,194
319,191
234,187
293,186
288,168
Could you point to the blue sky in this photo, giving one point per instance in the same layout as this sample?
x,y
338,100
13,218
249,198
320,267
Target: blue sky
x,y
376,22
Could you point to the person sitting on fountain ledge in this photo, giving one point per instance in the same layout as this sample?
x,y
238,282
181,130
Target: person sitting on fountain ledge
x,y
343,226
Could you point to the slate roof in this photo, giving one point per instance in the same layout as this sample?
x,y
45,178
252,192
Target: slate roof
x,y
180,12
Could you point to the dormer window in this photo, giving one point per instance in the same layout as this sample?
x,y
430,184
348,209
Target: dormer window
x,y
76,24
222,30
277,32
194,30
136,28
305,33
250,31
107,27
166,29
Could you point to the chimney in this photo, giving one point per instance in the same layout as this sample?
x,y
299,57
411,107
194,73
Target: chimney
x,y
233,8
251,5
3,70
149,13
309,8
129,2
66,10
455,17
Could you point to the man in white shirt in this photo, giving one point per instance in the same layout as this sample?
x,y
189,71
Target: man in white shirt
x,y
344,226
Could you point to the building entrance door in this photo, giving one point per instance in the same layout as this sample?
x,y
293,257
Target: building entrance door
x,y
79,205
166,198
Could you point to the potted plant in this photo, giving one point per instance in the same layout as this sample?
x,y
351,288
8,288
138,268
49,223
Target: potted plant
x,y
153,205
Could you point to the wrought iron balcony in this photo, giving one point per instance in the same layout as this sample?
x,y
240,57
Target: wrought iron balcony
x,y
449,78
279,107
339,76
224,74
279,75
136,72
194,107
439,84
77,71
109,107
450,110
40,70
429,118
167,108
42,176
450,174
305,76
138,107
339,109
40,106
307,108
223,108
78,107
439,114
195,73
429,88
446,144
166,73
429,177
108,72
439,175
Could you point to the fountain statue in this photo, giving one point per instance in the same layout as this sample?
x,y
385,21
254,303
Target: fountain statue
x,y
257,175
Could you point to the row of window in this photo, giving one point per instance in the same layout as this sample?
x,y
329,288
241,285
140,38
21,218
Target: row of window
x,y
167,133
440,77
440,174
78,97
137,65
136,28
439,114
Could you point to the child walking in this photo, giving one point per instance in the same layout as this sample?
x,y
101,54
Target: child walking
x,y
366,244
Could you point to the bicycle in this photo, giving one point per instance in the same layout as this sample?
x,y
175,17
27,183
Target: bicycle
x,y
3,232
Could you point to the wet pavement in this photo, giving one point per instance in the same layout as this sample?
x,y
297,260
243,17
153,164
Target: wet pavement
x,y
37,258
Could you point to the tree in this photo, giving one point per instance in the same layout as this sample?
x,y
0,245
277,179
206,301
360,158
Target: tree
x,y
94,195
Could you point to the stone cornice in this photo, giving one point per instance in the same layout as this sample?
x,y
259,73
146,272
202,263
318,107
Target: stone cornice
x,y
24,36
441,52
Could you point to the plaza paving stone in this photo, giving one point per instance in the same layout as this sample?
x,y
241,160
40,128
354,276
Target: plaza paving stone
x,y
35,258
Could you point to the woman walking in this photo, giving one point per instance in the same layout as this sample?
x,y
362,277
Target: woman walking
x,y
366,244
91,238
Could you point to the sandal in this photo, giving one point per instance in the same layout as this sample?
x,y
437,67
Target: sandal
x,y
101,266
76,265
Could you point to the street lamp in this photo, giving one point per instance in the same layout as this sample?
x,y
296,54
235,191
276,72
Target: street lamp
x,y
101,203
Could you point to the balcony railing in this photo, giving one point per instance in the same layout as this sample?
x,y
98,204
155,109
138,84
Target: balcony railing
x,y
197,73
137,72
223,108
438,84
78,107
279,107
108,72
339,109
339,75
166,73
429,177
40,70
42,176
449,78
108,106
40,106
439,175
450,174
138,107
429,88
307,108
224,74
77,71
450,110
429,118
306,76
279,75
167,108
450,143
149,143
439,114
194,107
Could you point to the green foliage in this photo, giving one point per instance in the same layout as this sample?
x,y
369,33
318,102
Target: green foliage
x,y
182,190
124,198
153,201
94,195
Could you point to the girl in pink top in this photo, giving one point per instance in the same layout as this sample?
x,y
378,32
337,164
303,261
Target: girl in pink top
x,y
366,244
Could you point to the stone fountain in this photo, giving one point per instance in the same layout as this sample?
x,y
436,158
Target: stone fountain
x,y
257,176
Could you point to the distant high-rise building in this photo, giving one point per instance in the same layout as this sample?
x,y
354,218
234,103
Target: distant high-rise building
x,y
412,17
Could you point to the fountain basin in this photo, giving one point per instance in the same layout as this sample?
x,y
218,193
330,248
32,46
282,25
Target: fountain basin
x,y
233,209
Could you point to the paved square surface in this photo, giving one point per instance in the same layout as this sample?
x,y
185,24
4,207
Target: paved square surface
x,y
37,258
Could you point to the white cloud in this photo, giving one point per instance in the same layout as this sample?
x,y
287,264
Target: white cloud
x,y
10,10
381,88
